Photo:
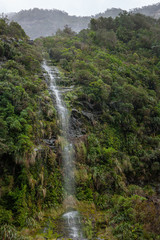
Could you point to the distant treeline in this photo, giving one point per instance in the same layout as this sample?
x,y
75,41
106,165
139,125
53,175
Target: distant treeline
x,y
38,22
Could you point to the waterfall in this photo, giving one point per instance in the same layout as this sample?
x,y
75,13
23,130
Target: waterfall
x,y
71,218
67,147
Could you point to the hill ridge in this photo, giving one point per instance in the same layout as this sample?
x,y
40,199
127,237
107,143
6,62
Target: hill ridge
x,y
45,22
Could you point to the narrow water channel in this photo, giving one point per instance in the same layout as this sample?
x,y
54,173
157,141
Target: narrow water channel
x,y
71,219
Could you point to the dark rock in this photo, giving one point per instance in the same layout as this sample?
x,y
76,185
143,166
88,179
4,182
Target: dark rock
x,y
50,142
88,115
75,113
91,106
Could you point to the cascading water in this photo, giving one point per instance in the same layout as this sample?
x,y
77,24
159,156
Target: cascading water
x,y
72,224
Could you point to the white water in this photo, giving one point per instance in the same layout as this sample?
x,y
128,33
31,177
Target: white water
x,y
73,221
72,218
67,147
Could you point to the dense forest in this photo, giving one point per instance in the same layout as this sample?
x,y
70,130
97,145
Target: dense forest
x,y
27,119
114,68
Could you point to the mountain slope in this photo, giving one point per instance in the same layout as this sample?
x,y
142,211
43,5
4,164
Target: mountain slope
x,y
115,104
39,22
27,118
112,76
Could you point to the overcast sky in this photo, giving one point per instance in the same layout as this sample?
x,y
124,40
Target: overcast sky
x,y
73,7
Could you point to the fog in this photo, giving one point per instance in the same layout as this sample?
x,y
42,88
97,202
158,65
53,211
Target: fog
x,y
78,7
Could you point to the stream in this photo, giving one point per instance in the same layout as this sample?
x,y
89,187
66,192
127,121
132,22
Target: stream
x,y
70,221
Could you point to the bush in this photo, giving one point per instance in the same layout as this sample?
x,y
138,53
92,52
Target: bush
x,y
5,216
1,49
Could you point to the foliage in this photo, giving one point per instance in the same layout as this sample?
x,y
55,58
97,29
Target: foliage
x,y
8,232
114,67
115,103
28,167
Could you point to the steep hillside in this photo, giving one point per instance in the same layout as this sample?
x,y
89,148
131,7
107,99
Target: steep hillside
x,y
115,105
109,75
27,122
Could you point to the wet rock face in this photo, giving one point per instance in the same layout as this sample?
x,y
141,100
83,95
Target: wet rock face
x,y
75,124
77,119
88,115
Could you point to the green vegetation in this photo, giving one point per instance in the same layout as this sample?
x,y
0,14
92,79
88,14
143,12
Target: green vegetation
x,y
114,67
115,113
28,167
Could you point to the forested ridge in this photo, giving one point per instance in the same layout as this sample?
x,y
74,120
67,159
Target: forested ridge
x,y
113,68
43,22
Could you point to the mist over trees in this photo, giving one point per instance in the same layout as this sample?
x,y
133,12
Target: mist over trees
x,y
39,22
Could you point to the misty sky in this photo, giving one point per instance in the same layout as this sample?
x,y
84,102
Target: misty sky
x,y
73,7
